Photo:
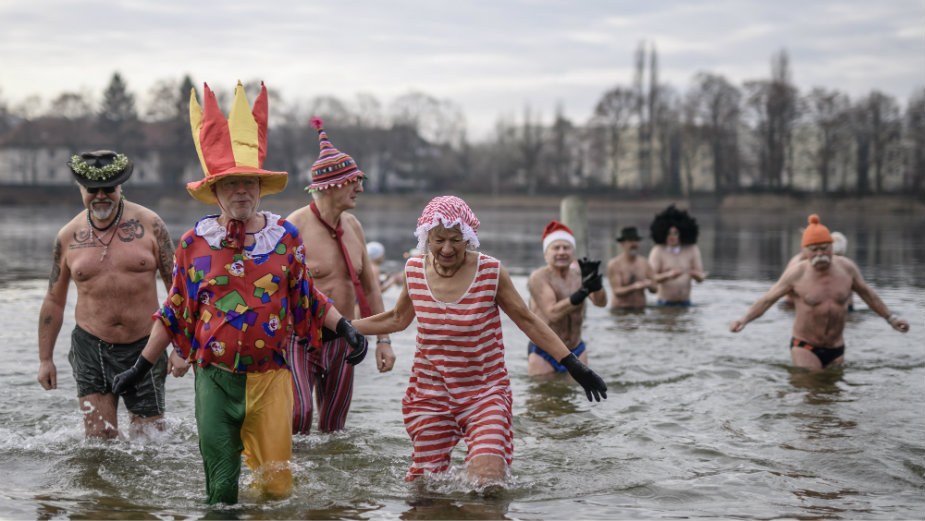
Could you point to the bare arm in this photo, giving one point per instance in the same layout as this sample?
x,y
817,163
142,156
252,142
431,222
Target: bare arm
x,y
873,300
369,279
696,272
164,253
396,319
51,316
780,288
655,260
536,330
621,290
598,298
544,296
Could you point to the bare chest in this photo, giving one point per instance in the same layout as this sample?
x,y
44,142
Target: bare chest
x,y
324,257
126,249
814,290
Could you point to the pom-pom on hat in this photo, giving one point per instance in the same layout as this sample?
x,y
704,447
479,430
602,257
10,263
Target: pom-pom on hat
x,y
101,168
556,231
815,233
236,147
333,167
447,211
839,243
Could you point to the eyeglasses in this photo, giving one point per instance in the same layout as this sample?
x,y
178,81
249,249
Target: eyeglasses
x,y
105,189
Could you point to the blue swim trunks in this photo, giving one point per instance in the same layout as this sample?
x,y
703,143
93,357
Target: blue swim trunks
x,y
674,303
533,348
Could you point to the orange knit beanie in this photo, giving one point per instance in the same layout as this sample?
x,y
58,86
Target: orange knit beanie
x,y
815,233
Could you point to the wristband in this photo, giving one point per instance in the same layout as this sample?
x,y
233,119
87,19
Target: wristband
x,y
383,340
891,318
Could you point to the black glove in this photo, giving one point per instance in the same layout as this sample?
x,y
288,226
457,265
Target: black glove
x,y
588,266
592,282
354,338
579,296
593,385
125,381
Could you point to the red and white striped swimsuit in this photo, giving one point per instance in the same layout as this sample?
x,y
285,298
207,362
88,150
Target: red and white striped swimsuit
x,y
459,386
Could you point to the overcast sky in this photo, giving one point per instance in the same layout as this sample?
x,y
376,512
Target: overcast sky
x,y
492,58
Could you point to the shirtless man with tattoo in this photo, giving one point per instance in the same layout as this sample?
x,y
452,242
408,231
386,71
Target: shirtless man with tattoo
x,y
113,252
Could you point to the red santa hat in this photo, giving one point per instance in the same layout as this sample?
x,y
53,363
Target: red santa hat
x,y
556,231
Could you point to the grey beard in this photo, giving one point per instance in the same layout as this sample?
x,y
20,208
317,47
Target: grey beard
x,y
102,215
821,258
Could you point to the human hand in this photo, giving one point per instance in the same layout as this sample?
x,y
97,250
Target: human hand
x,y
593,384
125,381
355,339
899,325
176,365
592,282
385,357
588,266
736,325
48,375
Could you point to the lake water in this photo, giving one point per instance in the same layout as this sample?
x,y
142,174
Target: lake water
x,y
699,422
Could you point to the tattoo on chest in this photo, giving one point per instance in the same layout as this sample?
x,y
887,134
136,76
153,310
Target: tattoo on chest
x,y
131,230
82,239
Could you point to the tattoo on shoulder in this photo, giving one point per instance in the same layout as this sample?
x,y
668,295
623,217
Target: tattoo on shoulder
x,y
56,265
165,249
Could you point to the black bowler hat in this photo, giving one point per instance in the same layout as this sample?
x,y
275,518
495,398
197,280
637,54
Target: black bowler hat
x,y
628,234
101,168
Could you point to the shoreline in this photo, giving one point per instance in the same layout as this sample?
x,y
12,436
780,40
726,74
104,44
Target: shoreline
x,y
748,204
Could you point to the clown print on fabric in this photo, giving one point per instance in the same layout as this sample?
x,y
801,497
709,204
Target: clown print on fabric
x,y
236,303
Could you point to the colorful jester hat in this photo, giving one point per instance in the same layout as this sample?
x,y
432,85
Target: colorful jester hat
x,y
236,147
333,167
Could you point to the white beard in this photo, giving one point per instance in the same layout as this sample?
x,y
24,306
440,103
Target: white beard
x,y
101,214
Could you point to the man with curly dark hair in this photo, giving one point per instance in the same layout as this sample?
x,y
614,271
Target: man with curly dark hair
x,y
675,258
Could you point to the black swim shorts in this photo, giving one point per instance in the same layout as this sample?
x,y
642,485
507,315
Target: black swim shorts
x,y
95,363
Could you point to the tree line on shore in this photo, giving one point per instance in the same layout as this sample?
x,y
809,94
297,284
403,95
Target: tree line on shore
x,y
644,136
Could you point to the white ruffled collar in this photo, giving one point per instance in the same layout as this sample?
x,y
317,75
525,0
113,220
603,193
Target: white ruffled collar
x,y
265,240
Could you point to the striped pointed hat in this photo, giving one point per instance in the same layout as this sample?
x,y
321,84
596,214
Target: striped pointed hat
x,y
236,147
333,167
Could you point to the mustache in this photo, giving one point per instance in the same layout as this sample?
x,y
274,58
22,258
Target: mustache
x,y
821,258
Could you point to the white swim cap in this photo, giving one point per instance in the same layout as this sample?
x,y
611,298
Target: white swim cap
x,y
839,243
375,250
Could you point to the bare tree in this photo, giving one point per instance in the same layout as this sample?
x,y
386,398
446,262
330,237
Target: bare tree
x,y
560,151
666,120
915,138
774,107
613,115
879,124
72,105
829,116
719,115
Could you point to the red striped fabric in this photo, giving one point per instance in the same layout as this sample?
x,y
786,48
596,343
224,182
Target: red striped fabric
x,y
460,350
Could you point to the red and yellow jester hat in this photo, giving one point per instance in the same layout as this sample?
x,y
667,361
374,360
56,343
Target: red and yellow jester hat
x,y
236,147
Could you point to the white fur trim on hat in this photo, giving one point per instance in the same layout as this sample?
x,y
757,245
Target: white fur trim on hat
x,y
558,235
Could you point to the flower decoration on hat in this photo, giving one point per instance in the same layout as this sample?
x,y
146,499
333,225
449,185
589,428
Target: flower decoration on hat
x,y
333,167
556,231
101,168
236,147
815,232
447,211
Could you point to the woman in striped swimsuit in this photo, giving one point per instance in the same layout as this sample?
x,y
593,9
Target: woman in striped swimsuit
x,y
459,387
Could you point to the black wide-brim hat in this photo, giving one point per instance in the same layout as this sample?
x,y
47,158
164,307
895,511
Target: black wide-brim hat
x,y
101,168
629,234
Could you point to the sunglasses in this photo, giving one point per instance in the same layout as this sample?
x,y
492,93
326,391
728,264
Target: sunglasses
x,y
106,190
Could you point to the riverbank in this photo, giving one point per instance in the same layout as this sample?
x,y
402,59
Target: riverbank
x,y
748,204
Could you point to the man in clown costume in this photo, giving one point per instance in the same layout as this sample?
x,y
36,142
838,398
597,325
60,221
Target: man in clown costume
x,y
240,291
